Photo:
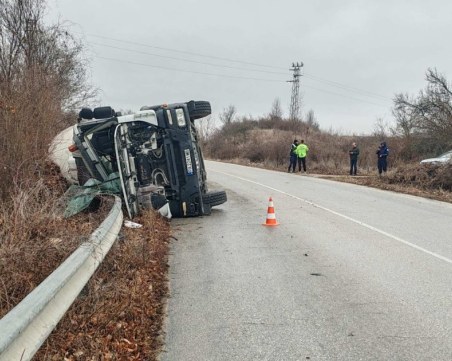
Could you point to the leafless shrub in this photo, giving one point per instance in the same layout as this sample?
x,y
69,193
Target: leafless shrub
x,y
268,141
424,176
426,119
311,121
227,116
42,74
276,111
265,142
205,128
382,129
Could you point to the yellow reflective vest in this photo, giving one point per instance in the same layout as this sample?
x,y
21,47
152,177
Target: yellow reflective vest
x,y
301,150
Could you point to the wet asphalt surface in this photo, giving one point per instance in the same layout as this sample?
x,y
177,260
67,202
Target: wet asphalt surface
x,y
350,273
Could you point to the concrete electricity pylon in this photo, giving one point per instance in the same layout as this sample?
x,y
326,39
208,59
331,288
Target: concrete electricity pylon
x,y
295,99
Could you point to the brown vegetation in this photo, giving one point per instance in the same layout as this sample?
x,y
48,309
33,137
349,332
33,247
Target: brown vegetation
x,y
265,142
425,121
35,238
424,181
119,315
42,74
42,81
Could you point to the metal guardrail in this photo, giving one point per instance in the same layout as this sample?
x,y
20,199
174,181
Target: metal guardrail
x,y
24,329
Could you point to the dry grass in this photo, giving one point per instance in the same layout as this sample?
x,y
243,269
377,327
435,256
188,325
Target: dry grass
x,y
25,264
34,238
423,181
119,314
265,143
432,182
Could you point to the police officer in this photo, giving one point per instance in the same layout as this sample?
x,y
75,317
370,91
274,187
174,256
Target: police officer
x,y
293,156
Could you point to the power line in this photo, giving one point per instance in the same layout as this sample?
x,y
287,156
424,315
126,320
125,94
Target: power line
x,y
343,95
345,87
188,71
227,76
307,75
187,60
184,52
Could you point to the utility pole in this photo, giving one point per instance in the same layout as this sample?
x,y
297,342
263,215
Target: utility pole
x,y
295,98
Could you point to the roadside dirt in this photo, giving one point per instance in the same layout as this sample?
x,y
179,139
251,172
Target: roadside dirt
x,y
119,314
391,183
433,182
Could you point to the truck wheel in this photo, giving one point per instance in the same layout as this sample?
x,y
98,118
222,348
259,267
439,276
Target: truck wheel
x,y
214,198
86,113
198,109
103,112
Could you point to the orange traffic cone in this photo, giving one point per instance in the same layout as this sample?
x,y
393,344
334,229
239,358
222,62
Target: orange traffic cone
x,y
271,218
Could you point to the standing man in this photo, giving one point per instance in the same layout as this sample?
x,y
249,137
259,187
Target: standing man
x,y
293,156
301,150
354,152
382,154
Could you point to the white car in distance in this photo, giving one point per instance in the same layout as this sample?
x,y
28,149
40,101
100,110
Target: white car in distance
x,y
441,159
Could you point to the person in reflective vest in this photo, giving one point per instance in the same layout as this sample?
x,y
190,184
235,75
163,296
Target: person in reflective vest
x,y
302,151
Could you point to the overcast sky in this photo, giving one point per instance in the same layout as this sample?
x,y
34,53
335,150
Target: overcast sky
x,y
357,54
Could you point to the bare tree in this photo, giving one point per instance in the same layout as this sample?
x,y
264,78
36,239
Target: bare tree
x,y
381,129
228,114
205,128
429,113
34,56
311,120
404,115
276,112
42,73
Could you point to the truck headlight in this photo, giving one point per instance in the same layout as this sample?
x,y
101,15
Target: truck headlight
x,y
180,118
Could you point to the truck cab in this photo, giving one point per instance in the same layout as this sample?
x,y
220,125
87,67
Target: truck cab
x,y
156,153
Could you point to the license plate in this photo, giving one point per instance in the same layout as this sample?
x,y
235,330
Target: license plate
x,y
188,162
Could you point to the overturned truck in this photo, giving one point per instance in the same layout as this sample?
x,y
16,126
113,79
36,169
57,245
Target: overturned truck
x,y
156,153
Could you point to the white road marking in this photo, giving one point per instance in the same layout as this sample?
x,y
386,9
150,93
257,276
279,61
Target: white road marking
x,y
368,226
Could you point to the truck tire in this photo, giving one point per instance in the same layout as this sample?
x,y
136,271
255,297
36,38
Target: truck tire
x,y
198,109
86,113
103,112
214,198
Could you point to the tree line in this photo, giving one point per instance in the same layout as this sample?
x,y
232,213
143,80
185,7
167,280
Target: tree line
x,y
422,128
424,121
43,75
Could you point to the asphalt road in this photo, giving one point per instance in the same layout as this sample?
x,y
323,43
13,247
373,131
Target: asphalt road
x,y
351,273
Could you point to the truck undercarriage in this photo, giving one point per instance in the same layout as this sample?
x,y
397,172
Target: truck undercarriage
x,y
155,152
